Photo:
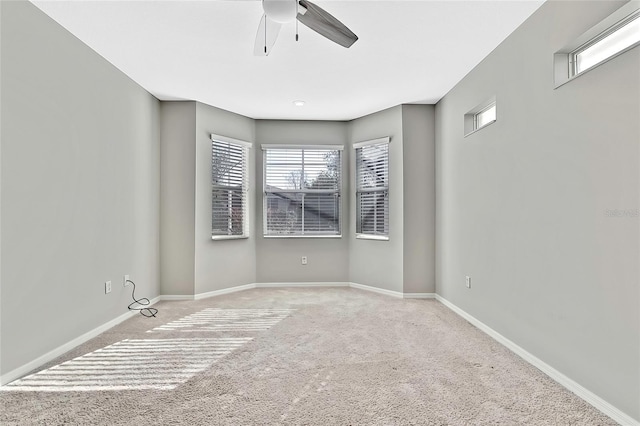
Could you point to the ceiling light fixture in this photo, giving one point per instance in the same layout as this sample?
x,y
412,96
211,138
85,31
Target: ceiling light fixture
x,y
298,103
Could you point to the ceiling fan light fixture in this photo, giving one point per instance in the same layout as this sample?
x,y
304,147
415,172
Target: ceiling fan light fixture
x,y
298,103
281,11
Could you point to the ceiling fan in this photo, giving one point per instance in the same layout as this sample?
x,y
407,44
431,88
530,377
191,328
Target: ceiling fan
x,y
279,12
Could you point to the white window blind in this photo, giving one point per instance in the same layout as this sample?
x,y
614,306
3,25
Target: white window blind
x,y
230,183
372,189
302,191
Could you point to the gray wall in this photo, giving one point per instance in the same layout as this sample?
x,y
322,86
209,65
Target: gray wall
x,y
419,209
177,197
380,263
521,204
278,259
79,185
192,263
223,263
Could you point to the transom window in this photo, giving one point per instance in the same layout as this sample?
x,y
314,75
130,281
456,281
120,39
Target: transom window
x,y
302,187
609,38
617,39
229,187
372,189
486,116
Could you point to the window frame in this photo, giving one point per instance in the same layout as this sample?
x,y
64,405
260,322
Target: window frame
x,y
337,192
564,60
471,117
573,55
244,188
476,117
358,190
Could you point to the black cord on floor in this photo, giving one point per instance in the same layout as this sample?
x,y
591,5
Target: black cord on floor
x,y
147,312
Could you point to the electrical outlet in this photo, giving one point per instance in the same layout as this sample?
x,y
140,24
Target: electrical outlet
x,y
124,281
467,281
107,287
304,260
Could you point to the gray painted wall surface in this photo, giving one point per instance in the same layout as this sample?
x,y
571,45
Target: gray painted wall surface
x,y
192,263
278,259
419,209
379,263
80,187
223,263
177,197
522,204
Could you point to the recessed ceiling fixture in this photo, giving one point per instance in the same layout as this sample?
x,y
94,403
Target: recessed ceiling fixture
x,y
278,12
298,103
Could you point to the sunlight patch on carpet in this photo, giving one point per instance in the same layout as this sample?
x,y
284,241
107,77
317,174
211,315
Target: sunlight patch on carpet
x,y
132,364
212,319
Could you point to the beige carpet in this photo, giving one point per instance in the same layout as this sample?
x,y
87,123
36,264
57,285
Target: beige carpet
x,y
328,356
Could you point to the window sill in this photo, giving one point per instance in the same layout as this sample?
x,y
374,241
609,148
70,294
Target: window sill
x,y
303,236
229,237
372,237
479,128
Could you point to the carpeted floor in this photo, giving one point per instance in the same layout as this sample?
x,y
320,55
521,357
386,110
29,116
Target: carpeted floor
x,y
326,356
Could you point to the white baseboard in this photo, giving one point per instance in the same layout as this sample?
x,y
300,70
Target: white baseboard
x,y
224,291
176,297
53,354
419,295
309,284
565,381
391,293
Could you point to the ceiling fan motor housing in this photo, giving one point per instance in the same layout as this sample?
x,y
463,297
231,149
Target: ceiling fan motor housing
x,y
281,11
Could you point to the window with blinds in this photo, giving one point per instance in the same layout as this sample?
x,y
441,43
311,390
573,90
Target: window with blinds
x,y
302,190
372,189
230,181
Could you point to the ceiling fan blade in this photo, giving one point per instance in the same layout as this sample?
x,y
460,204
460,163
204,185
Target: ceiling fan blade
x,y
266,36
322,22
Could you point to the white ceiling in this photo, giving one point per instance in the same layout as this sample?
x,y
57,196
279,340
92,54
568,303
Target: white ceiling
x,y
408,51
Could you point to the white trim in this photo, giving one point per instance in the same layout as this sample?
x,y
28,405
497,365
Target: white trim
x,y
297,284
378,141
215,293
562,58
419,295
221,138
302,236
286,146
391,293
228,237
470,118
565,381
372,237
176,297
60,350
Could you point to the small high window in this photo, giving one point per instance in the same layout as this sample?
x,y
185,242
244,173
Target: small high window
x,y
486,116
611,37
481,116
613,41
